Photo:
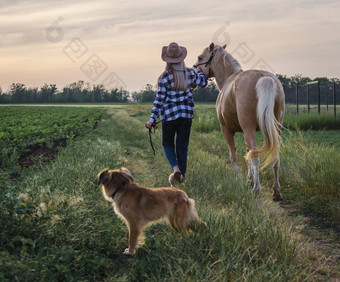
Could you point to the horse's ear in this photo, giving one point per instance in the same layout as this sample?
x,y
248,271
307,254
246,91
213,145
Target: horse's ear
x,y
224,46
211,47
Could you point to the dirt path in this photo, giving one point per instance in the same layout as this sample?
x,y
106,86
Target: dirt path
x,y
319,246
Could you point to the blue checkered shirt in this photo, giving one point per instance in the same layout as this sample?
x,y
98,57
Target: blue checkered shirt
x,y
175,104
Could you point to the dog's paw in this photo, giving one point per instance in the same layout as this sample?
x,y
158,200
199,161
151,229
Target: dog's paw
x,y
126,252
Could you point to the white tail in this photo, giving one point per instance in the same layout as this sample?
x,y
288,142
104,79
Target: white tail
x,y
269,125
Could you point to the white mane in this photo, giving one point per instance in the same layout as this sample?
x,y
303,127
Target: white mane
x,y
231,60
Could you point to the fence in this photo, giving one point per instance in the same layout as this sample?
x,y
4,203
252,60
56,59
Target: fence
x,y
313,95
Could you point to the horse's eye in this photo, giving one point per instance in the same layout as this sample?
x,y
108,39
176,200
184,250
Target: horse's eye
x,y
199,58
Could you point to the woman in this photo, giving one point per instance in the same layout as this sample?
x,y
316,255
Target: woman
x,y
175,104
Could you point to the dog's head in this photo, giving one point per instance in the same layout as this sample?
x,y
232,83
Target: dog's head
x,y
114,178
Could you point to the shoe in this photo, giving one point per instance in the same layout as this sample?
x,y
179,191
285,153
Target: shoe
x,y
176,178
179,177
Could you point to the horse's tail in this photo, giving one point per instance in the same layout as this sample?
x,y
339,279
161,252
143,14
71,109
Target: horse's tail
x,y
269,125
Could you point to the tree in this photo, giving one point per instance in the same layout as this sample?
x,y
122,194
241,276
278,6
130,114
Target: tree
x,y
17,90
299,79
98,92
74,92
119,95
206,94
321,79
146,95
285,81
31,95
47,92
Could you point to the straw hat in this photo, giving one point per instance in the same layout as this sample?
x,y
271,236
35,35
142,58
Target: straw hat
x,y
173,53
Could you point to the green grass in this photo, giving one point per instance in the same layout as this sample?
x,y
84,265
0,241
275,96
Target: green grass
x,y
312,121
310,172
56,224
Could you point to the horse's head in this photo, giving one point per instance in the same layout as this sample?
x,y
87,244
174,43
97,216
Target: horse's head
x,y
206,59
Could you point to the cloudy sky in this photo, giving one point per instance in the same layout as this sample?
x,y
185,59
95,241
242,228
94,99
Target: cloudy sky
x,y
118,42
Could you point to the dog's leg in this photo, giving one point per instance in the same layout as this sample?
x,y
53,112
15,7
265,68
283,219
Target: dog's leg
x,y
172,221
134,233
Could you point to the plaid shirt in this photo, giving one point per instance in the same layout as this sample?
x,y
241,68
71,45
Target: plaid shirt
x,y
175,104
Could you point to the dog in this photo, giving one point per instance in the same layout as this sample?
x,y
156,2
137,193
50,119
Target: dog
x,y
138,206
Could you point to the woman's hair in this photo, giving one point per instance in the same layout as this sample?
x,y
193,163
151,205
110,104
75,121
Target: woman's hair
x,y
179,72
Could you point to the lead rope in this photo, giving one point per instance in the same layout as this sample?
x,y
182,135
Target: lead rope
x,y
152,130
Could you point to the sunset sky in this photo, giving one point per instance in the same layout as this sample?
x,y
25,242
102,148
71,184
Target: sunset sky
x,y
118,42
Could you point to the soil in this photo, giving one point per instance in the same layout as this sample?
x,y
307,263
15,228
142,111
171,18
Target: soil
x,y
41,153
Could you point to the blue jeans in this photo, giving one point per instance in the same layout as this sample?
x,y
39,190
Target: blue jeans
x,y
176,155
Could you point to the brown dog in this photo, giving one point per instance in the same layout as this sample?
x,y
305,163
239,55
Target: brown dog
x,y
139,205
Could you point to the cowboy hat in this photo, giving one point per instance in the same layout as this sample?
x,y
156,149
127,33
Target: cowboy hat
x,y
173,53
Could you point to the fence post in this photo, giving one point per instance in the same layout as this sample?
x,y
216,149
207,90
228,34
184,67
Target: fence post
x,y
327,97
334,98
308,104
319,97
297,97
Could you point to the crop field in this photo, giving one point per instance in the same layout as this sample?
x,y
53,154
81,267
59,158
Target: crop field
x,y
25,128
56,225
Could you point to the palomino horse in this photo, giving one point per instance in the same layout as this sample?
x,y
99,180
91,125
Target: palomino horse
x,y
248,101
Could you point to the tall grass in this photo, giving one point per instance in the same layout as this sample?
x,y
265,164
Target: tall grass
x,y
313,121
310,172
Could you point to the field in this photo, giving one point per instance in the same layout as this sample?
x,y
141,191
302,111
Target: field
x,y
23,129
55,224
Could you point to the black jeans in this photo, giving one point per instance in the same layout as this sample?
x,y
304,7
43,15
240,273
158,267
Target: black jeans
x,y
176,155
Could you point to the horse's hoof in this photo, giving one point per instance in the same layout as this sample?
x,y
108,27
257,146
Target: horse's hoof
x,y
256,192
277,197
127,253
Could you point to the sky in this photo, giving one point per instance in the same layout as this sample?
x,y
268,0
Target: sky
x,y
118,43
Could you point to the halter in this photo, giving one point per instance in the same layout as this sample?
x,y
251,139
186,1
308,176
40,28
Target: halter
x,y
207,62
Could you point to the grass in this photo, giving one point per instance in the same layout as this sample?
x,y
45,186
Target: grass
x,y
57,226
312,121
311,175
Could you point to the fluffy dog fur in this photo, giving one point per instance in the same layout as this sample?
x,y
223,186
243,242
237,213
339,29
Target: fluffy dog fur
x,y
139,205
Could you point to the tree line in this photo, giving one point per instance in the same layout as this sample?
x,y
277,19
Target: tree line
x,y
299,79
81,92
77,92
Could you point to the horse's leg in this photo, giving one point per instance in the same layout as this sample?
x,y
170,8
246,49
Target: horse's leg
x,y
254,163
276,187
229,137
250,170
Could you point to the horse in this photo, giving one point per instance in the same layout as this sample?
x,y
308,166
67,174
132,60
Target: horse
x,y
248,101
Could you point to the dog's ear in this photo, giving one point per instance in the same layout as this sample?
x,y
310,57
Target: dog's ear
x,y
104,177
127,174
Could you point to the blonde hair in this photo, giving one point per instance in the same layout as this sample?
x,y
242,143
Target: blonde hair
x,y
179,71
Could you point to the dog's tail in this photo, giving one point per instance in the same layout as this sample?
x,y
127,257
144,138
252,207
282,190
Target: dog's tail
x,y
192,216
194,220
183,215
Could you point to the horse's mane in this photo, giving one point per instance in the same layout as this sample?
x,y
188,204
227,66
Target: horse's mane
x,y
229,59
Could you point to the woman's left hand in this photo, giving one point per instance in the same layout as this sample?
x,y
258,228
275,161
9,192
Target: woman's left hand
x,y
148,124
